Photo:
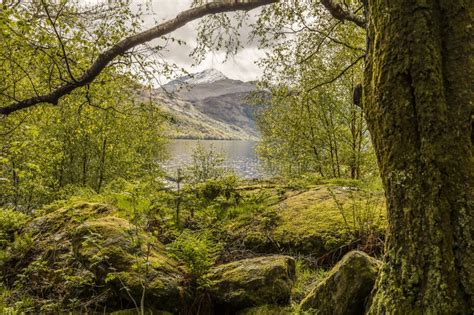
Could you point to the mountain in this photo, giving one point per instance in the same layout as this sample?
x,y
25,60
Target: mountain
x,y
207,105
206,76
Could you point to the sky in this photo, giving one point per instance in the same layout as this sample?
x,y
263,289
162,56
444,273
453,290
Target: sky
x,y
241,66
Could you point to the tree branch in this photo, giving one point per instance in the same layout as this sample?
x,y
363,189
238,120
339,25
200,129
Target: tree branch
x,y
129,42
61,44
337,76
338,12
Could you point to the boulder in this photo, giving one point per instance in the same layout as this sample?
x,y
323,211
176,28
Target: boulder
x,y
347,287
134,311
309,222
87,255
124,258
252,282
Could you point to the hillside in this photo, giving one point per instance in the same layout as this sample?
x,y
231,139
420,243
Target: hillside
x,y
207,105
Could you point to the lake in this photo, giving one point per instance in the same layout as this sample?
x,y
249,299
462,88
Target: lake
x,y
239,155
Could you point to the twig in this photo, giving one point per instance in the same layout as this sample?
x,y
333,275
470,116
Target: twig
x,y
338,76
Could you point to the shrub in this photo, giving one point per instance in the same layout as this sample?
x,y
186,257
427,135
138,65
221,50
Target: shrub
x,y
206,164
11,221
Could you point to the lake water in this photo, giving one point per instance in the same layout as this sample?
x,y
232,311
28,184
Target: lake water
x,y
239,155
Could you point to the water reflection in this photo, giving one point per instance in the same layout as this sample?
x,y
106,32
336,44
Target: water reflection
x,y
239,155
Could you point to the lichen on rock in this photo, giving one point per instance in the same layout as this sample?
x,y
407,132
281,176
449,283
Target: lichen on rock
x,y
347,287
128,260
252,282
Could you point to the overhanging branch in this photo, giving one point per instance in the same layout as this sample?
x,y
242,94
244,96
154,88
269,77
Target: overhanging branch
x,y
129,42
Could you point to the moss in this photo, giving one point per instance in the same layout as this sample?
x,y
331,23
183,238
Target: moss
x,y
106,240
310,221
418,100
267,310
125,257
346,288
134,311
68,217
85,255
251,282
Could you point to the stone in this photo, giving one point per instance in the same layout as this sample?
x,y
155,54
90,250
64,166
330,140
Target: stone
x,y
252,282
346,289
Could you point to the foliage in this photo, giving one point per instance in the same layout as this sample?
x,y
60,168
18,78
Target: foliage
x,y
11,222
80,145
206,164
306,279
311,123
99,133
198,251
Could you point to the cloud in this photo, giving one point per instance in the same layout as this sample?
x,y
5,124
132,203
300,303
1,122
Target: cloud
x,y
241,66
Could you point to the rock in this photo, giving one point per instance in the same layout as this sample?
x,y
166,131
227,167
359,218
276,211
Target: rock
x,y
87,255
346,288
252,282
118,253
308,222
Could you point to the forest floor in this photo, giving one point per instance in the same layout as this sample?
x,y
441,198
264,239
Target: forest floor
x,y
128,248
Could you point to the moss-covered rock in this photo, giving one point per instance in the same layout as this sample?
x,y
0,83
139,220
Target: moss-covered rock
x,y
252,282
126,259
346,288
86,257
312,221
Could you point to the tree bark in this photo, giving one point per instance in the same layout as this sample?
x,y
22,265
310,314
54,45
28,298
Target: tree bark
x,y
418,102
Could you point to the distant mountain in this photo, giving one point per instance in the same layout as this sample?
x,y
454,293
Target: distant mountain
x,y
206,76
207,105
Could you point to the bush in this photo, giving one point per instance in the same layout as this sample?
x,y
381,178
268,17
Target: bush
x,y
11,221
206,165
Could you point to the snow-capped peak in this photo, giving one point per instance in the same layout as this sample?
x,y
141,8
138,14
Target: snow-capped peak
x,y
206,76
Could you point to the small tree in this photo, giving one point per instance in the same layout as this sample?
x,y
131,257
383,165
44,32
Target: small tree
x,y
206,164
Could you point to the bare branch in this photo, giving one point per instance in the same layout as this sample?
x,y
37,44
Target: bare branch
x,y
129,42
337,76
338,12
63,48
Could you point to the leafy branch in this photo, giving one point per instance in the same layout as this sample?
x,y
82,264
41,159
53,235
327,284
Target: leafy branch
x,y
129,42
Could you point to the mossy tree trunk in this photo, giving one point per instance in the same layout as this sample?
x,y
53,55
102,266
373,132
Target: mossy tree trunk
x,y
418,98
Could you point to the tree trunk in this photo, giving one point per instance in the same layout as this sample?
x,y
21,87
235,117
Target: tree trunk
x,y
103,153
418,102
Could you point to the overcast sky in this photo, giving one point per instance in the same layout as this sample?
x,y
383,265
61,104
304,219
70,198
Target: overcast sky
x,y
241,66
